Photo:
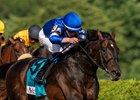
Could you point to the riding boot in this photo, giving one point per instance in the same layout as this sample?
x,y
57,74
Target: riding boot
x,y
39,76
43,73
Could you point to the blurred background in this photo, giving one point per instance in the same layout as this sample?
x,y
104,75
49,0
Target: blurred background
x,y
120,16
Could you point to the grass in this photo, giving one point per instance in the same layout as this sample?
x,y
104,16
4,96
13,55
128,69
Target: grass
x,y
119,90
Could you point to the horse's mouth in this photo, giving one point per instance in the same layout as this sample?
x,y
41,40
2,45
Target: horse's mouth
x,y
114,76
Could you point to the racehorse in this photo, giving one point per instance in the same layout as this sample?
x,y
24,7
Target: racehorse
x,y
9,53
12,50
74,76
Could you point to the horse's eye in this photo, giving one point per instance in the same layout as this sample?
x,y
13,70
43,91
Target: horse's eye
x,y
21,40
104,50
17,50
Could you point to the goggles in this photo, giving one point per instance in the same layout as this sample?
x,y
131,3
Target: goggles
x,y
2,38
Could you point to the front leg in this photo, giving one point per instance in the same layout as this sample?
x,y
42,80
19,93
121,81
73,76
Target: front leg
x,y
92,90
54,92
71,90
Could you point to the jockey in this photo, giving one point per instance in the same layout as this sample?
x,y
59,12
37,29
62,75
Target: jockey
x,y
30,36
2,39
57,33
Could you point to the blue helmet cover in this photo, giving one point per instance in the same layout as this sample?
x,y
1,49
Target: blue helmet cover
x,y
72,22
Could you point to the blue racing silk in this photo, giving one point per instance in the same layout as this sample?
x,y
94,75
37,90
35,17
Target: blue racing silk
x,y
55,30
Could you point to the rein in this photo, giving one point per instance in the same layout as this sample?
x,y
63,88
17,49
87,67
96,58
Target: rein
x,y
92,60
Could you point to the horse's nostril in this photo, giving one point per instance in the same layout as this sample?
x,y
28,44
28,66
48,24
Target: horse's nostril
x,y
116,73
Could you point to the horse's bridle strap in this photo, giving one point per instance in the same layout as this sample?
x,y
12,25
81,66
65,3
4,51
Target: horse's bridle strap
x,y
92,60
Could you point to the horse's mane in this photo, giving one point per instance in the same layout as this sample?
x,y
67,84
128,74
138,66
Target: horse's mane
x,y
92,35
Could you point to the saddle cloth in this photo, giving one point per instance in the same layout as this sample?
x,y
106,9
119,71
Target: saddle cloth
x,y
32,87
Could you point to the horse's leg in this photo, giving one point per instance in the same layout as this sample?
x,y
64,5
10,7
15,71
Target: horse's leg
x,y
70,92
54,92
93,91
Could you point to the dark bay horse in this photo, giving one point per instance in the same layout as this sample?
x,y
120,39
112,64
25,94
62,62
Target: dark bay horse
x,y
74,76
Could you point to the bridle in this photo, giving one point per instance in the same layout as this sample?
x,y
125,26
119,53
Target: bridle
x,y
101,52
103,65
16,53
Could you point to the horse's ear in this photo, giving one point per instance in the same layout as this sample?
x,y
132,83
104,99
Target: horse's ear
x,y
100,35
12,40
113,35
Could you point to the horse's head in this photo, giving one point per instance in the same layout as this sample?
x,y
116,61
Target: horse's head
x,y
12,50
107,54
18,46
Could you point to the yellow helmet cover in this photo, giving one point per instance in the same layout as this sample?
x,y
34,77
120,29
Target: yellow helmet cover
x,y
1,27
23,34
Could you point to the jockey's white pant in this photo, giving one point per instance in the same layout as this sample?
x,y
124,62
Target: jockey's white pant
x,y
53,48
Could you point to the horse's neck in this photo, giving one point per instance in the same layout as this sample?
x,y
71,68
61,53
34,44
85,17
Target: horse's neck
x,y
8,54
86,65
77,60
81,63
89,59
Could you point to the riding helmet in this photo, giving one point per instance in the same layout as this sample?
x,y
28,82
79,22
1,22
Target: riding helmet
x,y
1,27
34,31
72,22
